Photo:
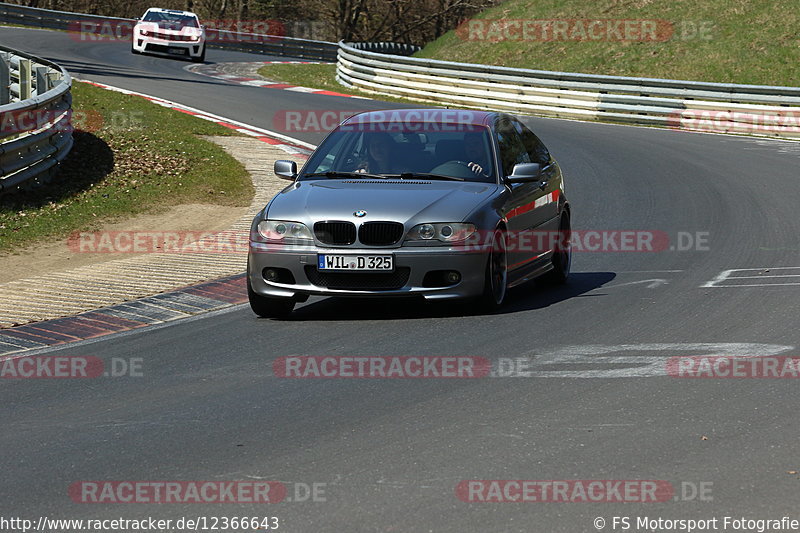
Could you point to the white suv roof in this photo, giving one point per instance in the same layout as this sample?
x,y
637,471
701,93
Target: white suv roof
x,y
173,11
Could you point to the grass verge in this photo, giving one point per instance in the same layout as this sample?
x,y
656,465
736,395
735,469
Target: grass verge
x,y
130,157
729,41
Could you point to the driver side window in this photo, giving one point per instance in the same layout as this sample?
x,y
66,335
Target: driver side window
x,y
535,148
512,149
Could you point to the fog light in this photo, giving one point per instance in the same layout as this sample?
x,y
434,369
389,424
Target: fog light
x,y
453,277
270,274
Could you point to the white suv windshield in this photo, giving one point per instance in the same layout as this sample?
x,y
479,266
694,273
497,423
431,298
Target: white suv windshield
x,y
176,20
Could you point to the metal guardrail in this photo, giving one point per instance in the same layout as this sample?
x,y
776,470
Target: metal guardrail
x,y
400,49
35,126
730,108
243,42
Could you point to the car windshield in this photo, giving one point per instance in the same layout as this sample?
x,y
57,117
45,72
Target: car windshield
x,y
176,20
433,151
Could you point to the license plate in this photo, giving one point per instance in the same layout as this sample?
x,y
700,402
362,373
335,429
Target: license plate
x,y
179,51
383,263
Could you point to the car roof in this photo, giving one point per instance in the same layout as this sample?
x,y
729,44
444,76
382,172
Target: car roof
x,y
173,11
435,115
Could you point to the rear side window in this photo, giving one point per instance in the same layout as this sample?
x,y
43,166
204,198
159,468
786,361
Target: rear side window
x,y
512,149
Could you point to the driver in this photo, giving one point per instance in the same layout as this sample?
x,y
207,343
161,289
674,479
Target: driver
x,y
476,150
379,153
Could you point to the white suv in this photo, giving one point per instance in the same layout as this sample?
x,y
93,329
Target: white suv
x,y
170,32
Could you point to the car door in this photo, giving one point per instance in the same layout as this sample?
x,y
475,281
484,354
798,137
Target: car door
x,y
520,209
547,208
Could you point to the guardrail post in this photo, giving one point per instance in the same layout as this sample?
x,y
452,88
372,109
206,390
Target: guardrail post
x,y
42,85
24,79
53,79
5,81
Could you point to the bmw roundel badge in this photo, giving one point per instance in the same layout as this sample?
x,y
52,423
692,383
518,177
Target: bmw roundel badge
x,y
360,213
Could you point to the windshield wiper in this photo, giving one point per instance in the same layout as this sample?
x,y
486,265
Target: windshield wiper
x,y
423,175
341,174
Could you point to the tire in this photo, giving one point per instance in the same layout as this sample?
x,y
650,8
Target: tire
x,y
269,307
201,58
562,256
496,281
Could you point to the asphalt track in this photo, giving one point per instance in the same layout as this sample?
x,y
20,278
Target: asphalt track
x,y
391,452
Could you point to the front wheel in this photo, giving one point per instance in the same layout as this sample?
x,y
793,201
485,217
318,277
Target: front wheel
x,y
201,58
562,255
495,285
266,307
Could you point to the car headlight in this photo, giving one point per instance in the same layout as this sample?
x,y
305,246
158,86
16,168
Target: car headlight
x,y
284,230
445,232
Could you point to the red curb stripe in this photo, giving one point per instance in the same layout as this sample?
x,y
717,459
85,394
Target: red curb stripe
x,y
96,324
42,330
331,93
25,335
59,327
228,296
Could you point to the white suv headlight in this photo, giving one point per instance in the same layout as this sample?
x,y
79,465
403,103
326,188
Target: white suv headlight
x,y
284,230
445,232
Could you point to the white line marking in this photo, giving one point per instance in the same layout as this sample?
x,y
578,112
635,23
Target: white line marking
x,y
762,277
726,275
752,285
652,283
646,271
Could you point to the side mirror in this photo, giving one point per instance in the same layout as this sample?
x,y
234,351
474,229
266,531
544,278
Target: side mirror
x,y
525,173
286,169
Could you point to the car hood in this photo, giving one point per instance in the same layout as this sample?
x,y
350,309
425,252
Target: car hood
x,y
408,202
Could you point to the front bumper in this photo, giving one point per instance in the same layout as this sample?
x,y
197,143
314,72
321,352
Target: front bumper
x,y
166,47
417,262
